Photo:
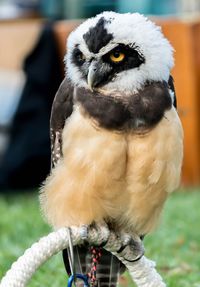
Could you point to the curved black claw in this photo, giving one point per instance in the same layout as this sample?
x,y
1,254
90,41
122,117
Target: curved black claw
x,y
132,251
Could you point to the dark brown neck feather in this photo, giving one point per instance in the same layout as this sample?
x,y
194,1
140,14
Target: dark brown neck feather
x,y
138,111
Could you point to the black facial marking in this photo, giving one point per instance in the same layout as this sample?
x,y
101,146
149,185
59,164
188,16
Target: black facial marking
x,y
107,70
77,57
131,60
138,112
97,37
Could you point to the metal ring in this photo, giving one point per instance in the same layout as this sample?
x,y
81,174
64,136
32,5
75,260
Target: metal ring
x,y
84,278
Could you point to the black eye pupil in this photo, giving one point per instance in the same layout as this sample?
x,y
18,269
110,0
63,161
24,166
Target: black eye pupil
x,y
79,55
116,54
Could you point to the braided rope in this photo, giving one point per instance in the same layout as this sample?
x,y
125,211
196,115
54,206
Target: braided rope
x,y
142,271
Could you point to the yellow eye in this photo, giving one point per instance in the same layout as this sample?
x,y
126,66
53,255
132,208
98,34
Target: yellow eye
x,y
117,57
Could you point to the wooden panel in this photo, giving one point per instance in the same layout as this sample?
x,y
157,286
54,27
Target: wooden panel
x,y
183,38
17,40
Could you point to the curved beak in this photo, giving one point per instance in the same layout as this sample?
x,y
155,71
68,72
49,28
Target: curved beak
x,y
98,74
91,77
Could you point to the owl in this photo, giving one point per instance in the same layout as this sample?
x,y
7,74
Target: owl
x,y
117,140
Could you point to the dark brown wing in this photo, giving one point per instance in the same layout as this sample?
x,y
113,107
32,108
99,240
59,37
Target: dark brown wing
x,y
61,109
172,88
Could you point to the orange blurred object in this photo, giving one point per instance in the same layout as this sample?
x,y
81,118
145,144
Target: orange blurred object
x,y
185,38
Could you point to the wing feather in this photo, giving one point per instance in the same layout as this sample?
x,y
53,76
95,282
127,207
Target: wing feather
x,y
62,108
172,88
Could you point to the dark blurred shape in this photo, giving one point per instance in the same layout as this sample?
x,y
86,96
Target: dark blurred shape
x,y
27,159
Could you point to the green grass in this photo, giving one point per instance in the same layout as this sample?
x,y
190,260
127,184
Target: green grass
x,y
175,245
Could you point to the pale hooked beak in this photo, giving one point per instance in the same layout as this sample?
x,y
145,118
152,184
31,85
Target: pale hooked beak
x,y
91,77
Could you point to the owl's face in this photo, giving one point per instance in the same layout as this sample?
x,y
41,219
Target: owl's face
x,y
118,52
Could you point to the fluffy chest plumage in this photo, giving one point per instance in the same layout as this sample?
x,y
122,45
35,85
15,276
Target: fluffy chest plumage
x,y
118,176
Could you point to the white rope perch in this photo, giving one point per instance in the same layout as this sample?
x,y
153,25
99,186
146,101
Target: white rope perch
x,y
142,271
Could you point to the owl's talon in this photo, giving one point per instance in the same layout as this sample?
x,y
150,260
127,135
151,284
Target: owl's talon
x,y
132,248
125,239
98,232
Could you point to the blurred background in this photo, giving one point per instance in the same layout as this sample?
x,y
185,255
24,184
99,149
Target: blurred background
x,y
32,46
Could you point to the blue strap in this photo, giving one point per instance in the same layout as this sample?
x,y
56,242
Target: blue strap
x,y
84,278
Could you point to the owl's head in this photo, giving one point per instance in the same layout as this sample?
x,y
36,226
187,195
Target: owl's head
x,y
118,52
